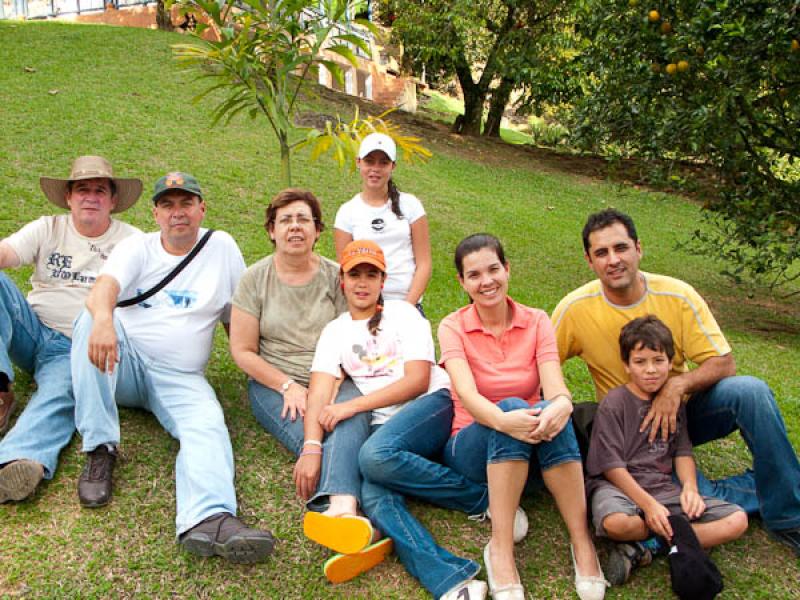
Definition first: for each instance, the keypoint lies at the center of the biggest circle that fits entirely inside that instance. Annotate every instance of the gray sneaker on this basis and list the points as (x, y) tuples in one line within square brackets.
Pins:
[(224, 535), (622, 559), (18, 479)]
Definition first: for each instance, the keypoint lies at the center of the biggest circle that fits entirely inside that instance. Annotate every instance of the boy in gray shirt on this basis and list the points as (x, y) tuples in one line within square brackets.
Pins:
[(630, 484)]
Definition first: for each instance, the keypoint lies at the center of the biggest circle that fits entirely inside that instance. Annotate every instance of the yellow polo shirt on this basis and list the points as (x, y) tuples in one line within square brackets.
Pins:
[(587, 325)]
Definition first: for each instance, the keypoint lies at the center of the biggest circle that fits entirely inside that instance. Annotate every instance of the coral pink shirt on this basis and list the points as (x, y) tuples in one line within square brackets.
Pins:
[(502, 368)]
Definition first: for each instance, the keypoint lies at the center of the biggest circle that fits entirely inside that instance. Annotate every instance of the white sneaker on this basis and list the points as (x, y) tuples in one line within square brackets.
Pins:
[(520, 523), (472, 589)]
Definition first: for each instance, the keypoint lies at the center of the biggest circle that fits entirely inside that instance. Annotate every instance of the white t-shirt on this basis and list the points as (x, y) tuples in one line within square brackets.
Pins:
[(176, 325), (393, 235), (66, 265), (373, 362)]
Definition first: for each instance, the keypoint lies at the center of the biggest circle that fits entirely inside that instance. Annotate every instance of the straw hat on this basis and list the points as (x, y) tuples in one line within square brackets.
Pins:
[(91, 167)]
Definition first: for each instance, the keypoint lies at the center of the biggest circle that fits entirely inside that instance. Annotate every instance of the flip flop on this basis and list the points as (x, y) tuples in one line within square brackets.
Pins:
[(344, 567), (347, 534)]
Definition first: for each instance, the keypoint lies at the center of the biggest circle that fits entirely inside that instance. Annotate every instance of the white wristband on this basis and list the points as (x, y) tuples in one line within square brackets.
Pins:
[(285, 385), (312, 443)]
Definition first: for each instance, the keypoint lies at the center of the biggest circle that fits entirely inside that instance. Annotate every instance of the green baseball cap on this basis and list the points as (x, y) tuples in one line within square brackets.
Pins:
[(176, 181)]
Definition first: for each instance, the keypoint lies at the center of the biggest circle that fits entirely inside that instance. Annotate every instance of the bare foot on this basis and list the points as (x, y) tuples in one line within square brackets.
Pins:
[(341, 506)]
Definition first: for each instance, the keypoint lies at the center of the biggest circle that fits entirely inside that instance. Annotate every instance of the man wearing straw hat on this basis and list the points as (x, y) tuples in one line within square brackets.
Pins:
[(67, 251)]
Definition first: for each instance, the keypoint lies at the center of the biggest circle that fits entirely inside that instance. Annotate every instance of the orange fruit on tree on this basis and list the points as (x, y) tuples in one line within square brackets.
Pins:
[(795, 45), (654, 16), (666, 27), (683, 66), (700, 51), (633, 3), (671, 69)]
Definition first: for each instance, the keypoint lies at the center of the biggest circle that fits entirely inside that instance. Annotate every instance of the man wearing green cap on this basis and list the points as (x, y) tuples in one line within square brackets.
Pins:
[(67, 251), (152, 355)]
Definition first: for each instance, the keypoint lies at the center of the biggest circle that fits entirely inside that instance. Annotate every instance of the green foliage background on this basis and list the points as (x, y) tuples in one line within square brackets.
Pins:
[(715, 82)]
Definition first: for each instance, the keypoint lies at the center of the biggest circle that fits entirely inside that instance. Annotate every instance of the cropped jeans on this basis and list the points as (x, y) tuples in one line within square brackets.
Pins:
[(476, 446), (401, 459), (182, 401), (48, 421), (772, 486)]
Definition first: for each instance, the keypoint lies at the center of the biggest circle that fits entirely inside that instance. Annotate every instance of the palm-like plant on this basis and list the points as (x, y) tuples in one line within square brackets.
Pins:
[(259, 54)]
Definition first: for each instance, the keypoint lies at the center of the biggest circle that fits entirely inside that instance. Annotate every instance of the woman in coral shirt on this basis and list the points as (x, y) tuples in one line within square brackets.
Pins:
[(501, 356)]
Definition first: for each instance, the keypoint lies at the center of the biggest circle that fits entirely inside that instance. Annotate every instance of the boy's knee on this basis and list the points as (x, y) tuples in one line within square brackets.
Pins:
[(624, 527), (737, 522)]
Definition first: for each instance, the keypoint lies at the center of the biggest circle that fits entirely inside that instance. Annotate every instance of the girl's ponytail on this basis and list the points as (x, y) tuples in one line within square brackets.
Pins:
[(394, 198), (374, 322)]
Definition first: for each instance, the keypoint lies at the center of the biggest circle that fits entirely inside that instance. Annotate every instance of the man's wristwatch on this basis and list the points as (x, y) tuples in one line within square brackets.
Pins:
[(285, 385)]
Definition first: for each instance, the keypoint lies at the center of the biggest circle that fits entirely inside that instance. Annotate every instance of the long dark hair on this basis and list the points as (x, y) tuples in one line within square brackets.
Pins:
[(394, 198), (374, 323)]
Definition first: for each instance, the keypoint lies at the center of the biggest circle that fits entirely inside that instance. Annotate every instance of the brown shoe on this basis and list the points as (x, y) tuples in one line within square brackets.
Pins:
[(94, 484), (18, 479), (224, 535), (7, 405)]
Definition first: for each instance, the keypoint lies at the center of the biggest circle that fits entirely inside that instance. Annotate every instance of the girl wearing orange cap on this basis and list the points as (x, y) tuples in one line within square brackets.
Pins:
[(387, 350), (395, 220)]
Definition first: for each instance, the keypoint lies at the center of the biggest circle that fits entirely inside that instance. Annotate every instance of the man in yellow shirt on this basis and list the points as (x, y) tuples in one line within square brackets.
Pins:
[(588, 322)]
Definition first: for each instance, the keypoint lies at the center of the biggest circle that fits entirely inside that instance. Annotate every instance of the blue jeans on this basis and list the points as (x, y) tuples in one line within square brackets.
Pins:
[(476, 446), (182, 401), (772, 487), (398, 460), (340, 474), (48, 421)]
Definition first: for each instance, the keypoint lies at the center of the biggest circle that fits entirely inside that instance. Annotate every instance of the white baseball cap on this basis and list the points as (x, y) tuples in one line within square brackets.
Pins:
[(378, 141)]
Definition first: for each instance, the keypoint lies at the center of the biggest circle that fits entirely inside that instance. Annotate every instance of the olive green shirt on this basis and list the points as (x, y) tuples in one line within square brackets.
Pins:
[(290, 317)]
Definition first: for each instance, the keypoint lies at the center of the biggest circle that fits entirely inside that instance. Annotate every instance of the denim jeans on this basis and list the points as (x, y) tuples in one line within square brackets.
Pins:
[(399, 459), (772, 487), (182, 401), (476, 446), (48, 421), (267, 405), (340, 474)]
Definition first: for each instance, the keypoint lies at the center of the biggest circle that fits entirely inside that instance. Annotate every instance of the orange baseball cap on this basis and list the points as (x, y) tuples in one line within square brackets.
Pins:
[(362, 251)]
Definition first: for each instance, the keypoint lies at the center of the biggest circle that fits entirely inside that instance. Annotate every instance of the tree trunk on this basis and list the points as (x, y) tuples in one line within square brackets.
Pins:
[(474, 99), (163, 17), (286, 165), (497, 106), (473, 112)]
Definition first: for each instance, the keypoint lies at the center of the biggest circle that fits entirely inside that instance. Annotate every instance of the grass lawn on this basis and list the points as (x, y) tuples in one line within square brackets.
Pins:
[(67, 90)]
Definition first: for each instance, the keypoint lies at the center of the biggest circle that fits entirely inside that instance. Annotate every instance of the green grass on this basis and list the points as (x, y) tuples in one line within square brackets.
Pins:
[(120, 95), (440, 107)]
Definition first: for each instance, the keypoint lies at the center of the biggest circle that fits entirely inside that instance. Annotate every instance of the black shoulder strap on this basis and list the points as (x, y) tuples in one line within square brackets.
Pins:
[(170, 276)]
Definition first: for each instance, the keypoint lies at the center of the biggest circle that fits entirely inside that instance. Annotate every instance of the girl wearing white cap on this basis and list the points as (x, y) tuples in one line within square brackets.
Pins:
[(395, 220)]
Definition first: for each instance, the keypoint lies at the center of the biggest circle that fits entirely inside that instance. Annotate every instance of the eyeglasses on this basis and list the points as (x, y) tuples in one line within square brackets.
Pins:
[(300, 219)]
